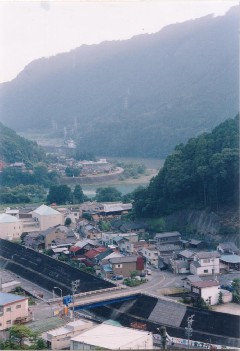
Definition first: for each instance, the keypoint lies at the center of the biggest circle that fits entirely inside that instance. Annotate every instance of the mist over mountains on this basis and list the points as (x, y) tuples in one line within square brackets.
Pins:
[(137, 97)]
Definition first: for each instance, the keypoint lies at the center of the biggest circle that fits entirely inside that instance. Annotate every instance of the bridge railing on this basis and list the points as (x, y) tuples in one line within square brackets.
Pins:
[(89, 293)]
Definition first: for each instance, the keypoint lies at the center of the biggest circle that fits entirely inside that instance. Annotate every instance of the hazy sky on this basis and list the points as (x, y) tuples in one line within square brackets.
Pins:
[(33, 29)]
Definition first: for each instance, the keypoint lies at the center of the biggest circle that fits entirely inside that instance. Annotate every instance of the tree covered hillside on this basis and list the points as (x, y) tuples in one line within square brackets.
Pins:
[(14, 148), (204, 173), (137, 97)]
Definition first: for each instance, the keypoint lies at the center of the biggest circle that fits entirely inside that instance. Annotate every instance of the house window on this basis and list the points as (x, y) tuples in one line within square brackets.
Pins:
[(18, 306), (207, 260), (205, 271), (9, 321), (8, 309), (118, 266)]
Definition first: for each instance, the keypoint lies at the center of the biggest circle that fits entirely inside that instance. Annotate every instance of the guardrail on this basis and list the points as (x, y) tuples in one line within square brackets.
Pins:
[(89, 293)]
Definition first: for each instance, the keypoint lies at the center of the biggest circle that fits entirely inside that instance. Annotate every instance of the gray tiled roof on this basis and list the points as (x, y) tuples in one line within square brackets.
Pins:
[(168, 313), (208, 254), (124, 259), (167, 235)]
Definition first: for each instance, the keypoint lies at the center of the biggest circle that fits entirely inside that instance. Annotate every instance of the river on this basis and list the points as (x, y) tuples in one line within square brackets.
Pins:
[(126, 186)]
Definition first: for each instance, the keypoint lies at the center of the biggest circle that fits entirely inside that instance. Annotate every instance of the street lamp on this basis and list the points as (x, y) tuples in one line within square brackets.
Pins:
[(56, 287)]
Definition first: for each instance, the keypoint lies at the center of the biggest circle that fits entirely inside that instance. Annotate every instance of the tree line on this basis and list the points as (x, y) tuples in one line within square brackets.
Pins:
[(203, 173)]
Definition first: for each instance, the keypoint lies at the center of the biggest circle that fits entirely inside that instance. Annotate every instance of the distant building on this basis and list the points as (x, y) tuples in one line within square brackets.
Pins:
[(228, 248), (229, 263), (11, 227), (151, 254), (13, 309), (208, 290), (168, 238), (109, 337), (47, 217)]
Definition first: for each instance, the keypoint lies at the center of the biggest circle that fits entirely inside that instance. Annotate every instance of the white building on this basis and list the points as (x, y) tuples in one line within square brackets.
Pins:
[(208, 290), (47, 217), (110, 337), (151, 254), (12, 308), (11, 227), (205, 263)]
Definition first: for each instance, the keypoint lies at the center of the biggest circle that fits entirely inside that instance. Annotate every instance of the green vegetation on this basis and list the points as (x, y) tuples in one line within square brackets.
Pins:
[(104, 226), (17, 335), (84, 155), (72, 172), (131, 170), (39, 175), (203, 173), (62, 194), (14, 148), (236, 290), (68, 221), (22, 194), (133, 281), (108, 194)]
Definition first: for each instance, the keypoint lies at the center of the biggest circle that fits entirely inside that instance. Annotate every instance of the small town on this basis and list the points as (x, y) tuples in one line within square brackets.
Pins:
[(119, 175), (58, 264)]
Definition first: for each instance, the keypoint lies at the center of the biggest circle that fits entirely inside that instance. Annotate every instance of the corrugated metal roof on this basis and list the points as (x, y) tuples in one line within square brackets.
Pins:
[(6, 298), (230, 258)]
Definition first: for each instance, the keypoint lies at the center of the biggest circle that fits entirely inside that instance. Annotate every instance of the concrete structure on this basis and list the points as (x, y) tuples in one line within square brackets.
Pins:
[(111, 337), (205, 263), (59, 338), (13, 308), (11, 227), (208, 290), (109, 238), (47, 217)]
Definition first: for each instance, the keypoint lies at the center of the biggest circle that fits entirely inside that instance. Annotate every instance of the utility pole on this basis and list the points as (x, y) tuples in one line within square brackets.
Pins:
[(75, 285), (163, 333), (188, 329)]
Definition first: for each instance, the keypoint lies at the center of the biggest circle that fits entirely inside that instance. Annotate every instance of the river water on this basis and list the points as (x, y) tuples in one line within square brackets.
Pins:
[(124, 188)]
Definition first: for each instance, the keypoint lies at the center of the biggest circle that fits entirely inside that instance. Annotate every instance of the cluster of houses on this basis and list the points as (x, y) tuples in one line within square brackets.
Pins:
[(120, 250)]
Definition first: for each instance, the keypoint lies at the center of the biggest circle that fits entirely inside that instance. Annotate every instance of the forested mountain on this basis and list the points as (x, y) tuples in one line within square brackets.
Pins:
[(14, 148), (137, 97), (202, 174)]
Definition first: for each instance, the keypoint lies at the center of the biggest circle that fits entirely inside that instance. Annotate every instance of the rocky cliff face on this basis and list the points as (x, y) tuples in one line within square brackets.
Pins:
[(220, 225)]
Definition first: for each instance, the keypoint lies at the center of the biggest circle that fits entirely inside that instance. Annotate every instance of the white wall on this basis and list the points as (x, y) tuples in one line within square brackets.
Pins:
[(11, 231), (49, 221), (212, 292)]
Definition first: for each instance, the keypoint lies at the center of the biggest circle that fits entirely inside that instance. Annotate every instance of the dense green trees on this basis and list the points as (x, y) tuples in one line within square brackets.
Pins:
[(108, 194), (62, 194), (72, 172), (14, 148), (22, 194), (202, 173), (39, 175)]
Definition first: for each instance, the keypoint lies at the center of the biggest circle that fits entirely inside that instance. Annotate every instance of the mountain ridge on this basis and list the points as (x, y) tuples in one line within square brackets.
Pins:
[(139, 89)]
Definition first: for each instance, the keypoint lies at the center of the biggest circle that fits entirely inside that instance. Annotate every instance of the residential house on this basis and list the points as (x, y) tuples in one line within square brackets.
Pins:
[(11, 227), (90, 231), (205, 263), (125, 265), (108, 238), (189, 280), (180, 263), (53, 237), (47, 217), (110, 337), (228, 248), (168, 238), (13, 309), (229, 263), (81, 247), (208, 290), (132, 226), (151, 254), (197, 244)]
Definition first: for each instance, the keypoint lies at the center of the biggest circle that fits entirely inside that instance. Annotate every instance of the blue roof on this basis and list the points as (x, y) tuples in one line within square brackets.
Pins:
[(6, 298)]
